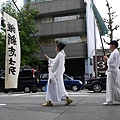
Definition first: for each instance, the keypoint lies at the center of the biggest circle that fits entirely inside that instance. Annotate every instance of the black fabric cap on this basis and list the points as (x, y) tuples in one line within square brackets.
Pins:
[(113, 43), (61, 45)]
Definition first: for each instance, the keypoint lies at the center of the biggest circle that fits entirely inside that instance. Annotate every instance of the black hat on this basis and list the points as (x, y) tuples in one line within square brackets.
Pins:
[(114, 43), (61, 45)]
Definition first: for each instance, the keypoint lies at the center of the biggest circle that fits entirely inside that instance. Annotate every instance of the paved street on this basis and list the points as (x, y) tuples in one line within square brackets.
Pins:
[(86, 106)]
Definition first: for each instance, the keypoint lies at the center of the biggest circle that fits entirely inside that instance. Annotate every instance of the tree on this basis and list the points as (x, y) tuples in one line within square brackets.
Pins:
[(29, 46), (110, 21), (2, 50)]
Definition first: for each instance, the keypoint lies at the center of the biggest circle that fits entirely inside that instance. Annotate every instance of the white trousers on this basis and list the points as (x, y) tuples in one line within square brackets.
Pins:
[(109, 87), (113, 86)]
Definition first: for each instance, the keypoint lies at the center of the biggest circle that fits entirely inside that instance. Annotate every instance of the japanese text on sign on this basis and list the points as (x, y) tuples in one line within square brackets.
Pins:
[(12, 47)]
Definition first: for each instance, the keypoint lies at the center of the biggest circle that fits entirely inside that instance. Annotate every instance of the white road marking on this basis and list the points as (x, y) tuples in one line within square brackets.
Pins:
[(14, 95), (3, 104), (76, 93), (41, 94)]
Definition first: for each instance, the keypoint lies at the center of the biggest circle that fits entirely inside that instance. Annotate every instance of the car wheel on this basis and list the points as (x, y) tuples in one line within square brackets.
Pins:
[(43, 88), (75, 88), (34, 91), (6, 91), (27, 89), (97, 87)]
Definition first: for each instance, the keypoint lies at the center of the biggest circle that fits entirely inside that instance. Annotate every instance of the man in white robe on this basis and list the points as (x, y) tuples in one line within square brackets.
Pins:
[(55, 87), (113, 75)]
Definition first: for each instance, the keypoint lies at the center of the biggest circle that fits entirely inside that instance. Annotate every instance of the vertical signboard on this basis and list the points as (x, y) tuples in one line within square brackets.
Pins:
[(12, 62)]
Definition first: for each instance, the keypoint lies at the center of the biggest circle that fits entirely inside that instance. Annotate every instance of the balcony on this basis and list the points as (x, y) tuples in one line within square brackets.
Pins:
[(57, 6), (62, 28)]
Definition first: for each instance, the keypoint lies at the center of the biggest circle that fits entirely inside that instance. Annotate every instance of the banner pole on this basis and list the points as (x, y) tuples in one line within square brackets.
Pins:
[(102, 45), (29, 28)]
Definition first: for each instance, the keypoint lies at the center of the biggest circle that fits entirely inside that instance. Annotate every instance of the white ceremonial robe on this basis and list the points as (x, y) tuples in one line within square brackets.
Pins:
[(55, 87), (113, 77)]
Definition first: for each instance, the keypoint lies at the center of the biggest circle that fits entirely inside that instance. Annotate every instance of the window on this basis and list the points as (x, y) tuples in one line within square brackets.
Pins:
[(44, 76), (46, 20), (35, 1), (64, 18), (47, 41), (25, 73), (65, 77), (32, 1), (39, 0), (69, 17), (53, 41), (56, 19), (69, 40), (75, 39), (59, 18), (65, 40), (73, 17)]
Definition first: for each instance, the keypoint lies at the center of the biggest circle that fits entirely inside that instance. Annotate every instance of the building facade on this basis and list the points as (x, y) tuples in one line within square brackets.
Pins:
[(66, 21)]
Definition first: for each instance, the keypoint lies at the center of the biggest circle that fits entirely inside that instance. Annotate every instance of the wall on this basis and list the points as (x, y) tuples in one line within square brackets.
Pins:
[(76, 50), (58, 5)]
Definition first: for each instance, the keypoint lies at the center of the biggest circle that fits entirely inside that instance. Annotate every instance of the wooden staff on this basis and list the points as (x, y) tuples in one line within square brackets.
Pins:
[(29, 28), (102, 45)]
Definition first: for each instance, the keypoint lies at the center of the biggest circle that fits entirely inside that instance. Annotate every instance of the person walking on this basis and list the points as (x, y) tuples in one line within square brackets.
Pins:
[(55, 87), (113, 75)]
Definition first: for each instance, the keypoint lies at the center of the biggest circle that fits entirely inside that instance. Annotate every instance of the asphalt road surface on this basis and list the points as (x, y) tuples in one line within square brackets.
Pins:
[(87, 105)]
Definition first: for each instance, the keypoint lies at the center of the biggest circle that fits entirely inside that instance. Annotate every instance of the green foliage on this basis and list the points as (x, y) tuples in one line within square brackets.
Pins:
[(2, 50), (29, 47)]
